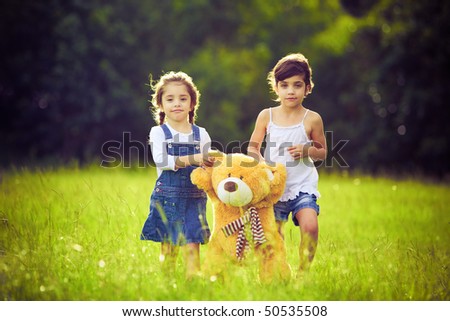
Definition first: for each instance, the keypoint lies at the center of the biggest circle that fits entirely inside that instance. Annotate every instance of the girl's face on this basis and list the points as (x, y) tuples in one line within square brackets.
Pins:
[(292, 91), (176, 102)]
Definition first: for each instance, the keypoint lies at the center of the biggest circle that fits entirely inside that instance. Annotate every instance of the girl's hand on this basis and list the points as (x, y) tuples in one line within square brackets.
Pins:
[(299, 151), (203, 160), (194, 160), (208, 161)]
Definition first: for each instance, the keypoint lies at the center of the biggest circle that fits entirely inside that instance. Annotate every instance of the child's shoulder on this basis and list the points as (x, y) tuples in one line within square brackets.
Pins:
[(265, 113), (157, 130), (201, 129), (313, 115), (313, 119)]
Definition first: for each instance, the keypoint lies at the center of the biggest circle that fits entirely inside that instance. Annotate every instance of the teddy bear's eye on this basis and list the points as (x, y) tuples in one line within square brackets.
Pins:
[(241, 177), (229, 174)]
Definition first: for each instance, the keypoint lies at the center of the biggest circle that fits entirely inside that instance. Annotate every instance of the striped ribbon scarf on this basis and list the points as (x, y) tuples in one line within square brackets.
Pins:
[(242, 244)]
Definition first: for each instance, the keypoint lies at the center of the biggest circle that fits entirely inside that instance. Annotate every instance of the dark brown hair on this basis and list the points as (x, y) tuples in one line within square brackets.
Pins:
[(288, 66)]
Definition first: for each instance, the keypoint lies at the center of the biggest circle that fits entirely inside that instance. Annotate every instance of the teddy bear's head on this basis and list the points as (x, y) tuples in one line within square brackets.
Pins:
[(239, 180)]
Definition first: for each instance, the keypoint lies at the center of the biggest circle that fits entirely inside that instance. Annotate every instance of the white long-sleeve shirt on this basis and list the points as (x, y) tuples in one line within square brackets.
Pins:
[(157, 141)]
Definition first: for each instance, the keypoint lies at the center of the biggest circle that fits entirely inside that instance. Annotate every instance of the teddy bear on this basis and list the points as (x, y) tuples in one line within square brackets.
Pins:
[(243, 192)]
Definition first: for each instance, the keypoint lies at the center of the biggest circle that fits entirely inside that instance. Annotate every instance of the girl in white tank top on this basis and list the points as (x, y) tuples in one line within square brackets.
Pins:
[(294, 137), (302, 175)]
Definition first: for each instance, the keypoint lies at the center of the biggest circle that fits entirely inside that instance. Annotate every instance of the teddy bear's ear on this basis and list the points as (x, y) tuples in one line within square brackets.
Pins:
[(277, 177)]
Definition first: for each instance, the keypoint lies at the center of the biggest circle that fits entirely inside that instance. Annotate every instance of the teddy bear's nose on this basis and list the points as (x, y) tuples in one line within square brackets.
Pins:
[(230, 186)]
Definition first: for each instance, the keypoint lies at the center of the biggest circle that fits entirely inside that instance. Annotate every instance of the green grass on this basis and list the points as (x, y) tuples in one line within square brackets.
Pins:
[(73, 234)]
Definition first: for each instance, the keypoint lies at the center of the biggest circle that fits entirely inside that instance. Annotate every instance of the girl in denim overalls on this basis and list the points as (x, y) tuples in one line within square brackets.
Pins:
[(177, 207)]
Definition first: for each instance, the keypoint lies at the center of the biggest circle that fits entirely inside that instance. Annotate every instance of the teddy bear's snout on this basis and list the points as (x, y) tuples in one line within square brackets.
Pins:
[(233, 191), (230, 187)]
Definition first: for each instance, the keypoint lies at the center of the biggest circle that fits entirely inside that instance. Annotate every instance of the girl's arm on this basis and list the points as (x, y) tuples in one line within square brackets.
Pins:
[(197, 159), (318, 150), (193, 160), (157, 142), (254, 146), (165, 161)]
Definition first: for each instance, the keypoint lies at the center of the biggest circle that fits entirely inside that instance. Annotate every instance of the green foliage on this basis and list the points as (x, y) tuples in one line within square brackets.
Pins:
[(73, 234), (225, 95), (73, 73)]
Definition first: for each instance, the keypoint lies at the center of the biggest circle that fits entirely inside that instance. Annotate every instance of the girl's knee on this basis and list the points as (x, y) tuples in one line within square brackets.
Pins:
[(308, 222), (310, 229)]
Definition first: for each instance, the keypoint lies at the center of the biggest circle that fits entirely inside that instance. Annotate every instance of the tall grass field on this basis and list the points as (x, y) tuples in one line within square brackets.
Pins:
[(73, 234)]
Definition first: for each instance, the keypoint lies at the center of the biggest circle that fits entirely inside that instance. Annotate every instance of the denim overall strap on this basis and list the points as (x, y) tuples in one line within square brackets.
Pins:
[(167, 132), (196, 131)]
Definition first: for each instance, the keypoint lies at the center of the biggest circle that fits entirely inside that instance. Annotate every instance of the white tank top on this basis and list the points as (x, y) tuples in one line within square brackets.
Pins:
[(302, 175)]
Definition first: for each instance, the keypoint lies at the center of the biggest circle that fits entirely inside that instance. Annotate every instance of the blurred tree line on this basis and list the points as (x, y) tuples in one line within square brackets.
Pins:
[(74, 74)]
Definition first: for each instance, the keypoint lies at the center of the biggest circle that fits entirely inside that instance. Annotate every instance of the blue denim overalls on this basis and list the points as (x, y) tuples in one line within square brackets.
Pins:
[(177, 207)]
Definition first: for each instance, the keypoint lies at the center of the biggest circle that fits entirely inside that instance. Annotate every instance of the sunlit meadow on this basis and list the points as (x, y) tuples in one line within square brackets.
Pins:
[(73, 234)]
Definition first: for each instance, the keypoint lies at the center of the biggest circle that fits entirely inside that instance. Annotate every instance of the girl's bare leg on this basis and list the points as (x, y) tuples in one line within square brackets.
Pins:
[(192, 258), (280, 225), (168, 258), (309, 229)]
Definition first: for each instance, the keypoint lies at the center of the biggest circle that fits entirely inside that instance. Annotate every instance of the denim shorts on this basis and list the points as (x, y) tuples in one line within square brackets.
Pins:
[(303, 200)]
